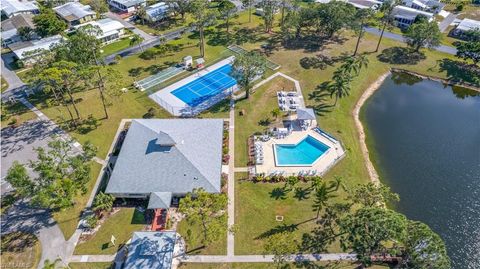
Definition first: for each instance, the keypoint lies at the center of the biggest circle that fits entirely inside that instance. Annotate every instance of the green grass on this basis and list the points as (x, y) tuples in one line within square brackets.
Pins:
[(257, 205), (20, 250), (16, 112), (91, 265), (319, 265), (68, 219), (116, 46), (121, 225), (257, 108), (194, 244), (4, 85)]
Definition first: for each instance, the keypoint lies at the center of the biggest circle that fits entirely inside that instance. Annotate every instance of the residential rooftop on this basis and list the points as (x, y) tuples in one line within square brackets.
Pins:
[(129, 3), (29, 46), (73, 11), (107, 26), (10, 26), (169, 155), (410, 13), (12, 7), (153, 250), (468, 25)]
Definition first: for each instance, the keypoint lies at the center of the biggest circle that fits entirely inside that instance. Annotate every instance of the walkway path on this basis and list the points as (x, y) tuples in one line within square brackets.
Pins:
[(398, 37), (231, 182), (9, 75), (443, 25)]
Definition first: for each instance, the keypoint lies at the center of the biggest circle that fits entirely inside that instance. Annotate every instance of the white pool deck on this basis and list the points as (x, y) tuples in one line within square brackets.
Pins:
[(321, 165), (177, 107)]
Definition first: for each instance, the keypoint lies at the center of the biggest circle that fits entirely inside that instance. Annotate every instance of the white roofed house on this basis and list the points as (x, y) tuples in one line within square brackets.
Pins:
[(162, 160), (432, 6), (363, 4), (465, 26), (11, 8), (157, 12), (26, 50), (75, 13), (126, 6), (108, 30), (406, 16)]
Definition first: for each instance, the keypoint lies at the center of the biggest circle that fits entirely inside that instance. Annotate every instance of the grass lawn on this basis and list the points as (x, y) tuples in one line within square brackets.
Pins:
[(257, 110), (166, 26), (90, 265), (20, 250), (121, 225), (115, 46), (16, 112), (194, 243), (4, 85), (257, 205), (319, 265), (68, 219)]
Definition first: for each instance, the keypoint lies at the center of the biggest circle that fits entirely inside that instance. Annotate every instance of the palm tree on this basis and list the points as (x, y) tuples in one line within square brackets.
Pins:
[(387, 9), (275, 113), (103, 202), (136, 40), (141, 13), (340, 87), (323, 193), (362, 17)]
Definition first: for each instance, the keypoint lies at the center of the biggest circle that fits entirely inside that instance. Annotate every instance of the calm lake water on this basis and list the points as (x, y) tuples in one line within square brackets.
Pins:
[(424, 138)]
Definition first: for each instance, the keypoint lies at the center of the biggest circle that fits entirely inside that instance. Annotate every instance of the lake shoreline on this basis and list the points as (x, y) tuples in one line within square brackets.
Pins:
[(372, 172)]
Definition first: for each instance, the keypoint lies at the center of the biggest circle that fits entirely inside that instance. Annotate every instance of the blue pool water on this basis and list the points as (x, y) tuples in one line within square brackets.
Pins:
[(206, 87), (305, 153)]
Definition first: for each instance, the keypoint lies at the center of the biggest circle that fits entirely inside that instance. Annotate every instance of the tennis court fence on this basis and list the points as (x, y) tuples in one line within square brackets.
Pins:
[(158, 78), (239, 50)]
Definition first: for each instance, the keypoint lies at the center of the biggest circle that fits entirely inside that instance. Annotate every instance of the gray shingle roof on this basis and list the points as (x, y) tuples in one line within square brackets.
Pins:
[(160, 200), (306, 114), (152, 250), (144, 166)]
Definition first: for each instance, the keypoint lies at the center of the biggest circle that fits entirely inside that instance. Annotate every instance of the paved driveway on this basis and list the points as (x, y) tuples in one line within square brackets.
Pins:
[(18, 144)]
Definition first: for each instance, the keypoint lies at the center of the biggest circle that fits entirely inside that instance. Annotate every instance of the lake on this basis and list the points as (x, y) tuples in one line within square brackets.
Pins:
[(424, 140)]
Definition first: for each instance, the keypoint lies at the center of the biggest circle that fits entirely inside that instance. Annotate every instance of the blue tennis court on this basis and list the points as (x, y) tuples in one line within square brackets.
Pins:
[(205, 87)]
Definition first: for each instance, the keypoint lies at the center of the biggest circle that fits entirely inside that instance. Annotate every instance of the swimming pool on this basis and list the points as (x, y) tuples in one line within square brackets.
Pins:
[(206, 87), (304, 153)]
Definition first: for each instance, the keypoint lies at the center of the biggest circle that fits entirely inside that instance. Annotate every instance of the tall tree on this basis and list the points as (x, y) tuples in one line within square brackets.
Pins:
[(248, 4), (371, 230), (386, 17), (47, 23), (182, 7), (60, 174), (470, 49), (333, 16), (423, 34), (79, 47), (370, 195), (361, 20), (203, 17), (424, 248), (18, 177), (227, 10), (208, 210), (282, 246), (283, 6), (136, 40), (323, 194), (246, 68), (26, 33), (141, 13), (270, 7)]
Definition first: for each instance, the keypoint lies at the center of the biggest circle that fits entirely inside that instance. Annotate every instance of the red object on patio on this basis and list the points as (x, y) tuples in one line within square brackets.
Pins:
[(159, 222)]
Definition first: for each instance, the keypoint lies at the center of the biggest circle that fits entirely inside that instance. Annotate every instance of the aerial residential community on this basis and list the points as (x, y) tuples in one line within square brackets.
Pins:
[(240, 134)]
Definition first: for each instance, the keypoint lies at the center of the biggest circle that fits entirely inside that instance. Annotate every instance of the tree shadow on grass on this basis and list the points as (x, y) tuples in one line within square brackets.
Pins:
[(321, 95), (302, 193), (278, 229), (400, 55), (278, 194), (460, 72)]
